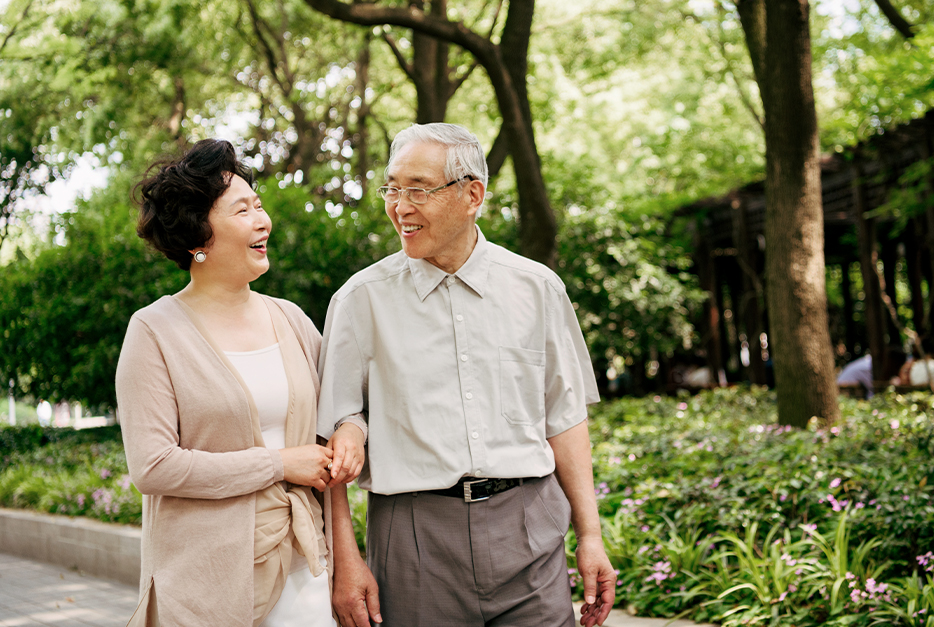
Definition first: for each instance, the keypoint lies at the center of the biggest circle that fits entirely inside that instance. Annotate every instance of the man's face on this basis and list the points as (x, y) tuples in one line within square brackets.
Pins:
[(441, 231)]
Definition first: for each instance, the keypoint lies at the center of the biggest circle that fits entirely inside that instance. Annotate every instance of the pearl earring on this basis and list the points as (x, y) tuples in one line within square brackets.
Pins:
[(200, 256)]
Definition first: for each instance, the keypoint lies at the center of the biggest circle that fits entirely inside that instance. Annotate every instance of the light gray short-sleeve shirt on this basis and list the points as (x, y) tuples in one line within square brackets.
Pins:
[(463, 374)]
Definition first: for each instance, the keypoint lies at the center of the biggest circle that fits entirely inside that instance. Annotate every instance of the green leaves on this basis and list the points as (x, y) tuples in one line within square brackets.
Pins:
[(691, 483)]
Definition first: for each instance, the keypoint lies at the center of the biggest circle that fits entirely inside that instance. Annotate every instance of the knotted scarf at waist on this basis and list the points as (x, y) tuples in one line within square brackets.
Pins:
[(280, 510)]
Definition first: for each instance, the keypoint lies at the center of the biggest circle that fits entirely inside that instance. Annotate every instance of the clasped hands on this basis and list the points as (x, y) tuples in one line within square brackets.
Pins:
[(339, 461)]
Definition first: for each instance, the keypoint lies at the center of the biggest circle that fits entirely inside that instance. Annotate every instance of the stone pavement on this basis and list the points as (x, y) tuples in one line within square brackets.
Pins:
[(36, 594)]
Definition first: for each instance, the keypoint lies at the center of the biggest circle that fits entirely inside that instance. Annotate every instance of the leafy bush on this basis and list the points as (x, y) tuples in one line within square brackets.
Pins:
[(686, 486), (62, 471)]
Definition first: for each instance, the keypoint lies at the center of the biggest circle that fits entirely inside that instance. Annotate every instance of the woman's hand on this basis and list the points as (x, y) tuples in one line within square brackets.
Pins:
[(349, 453), (307, 465)]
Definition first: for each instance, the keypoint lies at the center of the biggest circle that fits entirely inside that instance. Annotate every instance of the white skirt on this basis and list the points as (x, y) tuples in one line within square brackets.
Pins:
[(305, 602)]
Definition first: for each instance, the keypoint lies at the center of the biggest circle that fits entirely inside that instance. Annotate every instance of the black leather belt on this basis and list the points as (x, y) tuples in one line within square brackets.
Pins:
[(472, 489)]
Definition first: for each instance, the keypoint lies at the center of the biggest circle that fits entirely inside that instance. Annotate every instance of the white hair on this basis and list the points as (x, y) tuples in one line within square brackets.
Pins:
[(464, 153)]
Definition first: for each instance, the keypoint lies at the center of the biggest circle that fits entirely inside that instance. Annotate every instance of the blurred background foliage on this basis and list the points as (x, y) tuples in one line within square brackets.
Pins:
[(638, 108)]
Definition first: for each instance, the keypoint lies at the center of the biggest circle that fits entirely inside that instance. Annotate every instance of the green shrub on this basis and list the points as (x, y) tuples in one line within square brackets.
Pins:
[(685, 486), (62, 471)]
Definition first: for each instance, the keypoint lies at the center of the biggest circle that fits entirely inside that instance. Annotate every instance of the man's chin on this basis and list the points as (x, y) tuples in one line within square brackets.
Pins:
[(411, 252)]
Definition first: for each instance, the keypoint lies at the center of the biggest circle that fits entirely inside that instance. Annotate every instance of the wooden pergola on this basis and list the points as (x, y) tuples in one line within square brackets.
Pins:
[(730, 245)]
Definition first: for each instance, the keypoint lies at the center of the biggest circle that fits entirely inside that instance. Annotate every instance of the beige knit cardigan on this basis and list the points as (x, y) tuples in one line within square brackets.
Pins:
[(189, 429)]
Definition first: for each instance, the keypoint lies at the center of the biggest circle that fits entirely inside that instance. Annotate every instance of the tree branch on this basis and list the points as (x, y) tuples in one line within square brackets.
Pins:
[(400, 58), (408, 17), (498, 153), (14, 27), (268, 50), (460, 80), (895, 18), (731, 72)]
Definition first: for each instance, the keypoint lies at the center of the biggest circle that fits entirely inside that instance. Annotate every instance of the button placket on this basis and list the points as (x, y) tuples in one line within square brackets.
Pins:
[(467, 381)]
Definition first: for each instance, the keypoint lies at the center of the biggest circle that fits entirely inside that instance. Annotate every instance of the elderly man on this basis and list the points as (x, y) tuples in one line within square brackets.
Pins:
[(468, 364)]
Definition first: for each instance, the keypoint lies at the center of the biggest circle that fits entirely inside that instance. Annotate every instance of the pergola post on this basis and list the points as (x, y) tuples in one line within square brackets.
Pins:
[(849, 327), (913, 269), (875, 324), (710, 324), (748, 300)]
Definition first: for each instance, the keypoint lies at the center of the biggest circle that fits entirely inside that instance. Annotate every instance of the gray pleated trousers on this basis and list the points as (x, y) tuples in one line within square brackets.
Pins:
[(441, 562)]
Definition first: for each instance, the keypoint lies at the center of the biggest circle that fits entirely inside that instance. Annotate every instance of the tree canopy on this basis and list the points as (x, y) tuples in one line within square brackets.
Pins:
[(633, 109)]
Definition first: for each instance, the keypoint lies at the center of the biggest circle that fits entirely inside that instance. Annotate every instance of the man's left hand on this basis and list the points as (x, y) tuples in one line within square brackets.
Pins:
[(349, 453), (599, 581)]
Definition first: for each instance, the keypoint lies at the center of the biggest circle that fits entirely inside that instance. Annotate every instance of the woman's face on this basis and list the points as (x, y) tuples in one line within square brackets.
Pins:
[(237, 252)]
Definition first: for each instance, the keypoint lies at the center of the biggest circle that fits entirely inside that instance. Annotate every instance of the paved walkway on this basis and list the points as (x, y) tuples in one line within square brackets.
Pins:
[(35, 594)]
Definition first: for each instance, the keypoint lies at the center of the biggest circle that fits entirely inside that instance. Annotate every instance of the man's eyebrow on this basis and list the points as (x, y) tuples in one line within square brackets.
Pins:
[(415, 179)]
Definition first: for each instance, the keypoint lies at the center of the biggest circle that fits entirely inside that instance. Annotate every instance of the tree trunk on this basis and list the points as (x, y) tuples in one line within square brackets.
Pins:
[(361, 139), (430, 71), (794, 226)]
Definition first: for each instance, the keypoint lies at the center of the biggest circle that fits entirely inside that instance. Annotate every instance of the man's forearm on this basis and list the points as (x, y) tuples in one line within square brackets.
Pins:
[(345, 543), (574, 470)]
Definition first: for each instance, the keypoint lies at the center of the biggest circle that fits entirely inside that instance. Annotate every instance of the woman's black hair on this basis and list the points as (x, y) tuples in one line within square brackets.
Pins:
[(176, 196)]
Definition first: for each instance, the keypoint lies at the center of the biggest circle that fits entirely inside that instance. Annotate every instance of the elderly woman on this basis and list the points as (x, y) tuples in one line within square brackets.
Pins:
[(217, 389)]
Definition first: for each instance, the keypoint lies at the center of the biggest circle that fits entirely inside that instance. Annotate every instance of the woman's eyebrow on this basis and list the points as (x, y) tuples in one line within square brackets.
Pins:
[(243, 199)]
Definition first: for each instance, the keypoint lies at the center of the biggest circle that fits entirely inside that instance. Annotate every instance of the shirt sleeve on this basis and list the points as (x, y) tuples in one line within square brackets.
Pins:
[(149, 420), (570, 384), (343, 373)]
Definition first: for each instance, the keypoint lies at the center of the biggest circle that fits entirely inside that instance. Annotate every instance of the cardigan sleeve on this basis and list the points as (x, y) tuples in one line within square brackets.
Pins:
[(149, 420)]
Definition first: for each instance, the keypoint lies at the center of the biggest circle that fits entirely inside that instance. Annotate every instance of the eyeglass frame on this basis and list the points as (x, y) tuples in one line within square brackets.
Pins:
[(407, 191)]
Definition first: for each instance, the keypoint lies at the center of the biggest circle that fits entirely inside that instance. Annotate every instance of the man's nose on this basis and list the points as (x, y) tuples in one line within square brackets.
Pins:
[(405, 206)]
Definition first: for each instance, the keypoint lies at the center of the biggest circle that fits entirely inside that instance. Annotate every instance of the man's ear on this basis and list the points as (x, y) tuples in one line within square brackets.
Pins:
[(476, 193)]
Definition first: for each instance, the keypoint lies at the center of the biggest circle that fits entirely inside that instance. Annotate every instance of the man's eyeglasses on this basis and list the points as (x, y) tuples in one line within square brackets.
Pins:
[(417, 195)]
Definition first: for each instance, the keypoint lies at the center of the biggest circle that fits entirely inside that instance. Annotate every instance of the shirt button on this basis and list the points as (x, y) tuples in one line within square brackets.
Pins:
[(450, 280), (463, 357), (475, 435), (469, 395), (460, 318), (478, 472)]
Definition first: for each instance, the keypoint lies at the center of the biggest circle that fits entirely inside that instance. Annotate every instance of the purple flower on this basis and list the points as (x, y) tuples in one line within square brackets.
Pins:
[(105, 473), (80, 500), (662, 571), (835, 483)]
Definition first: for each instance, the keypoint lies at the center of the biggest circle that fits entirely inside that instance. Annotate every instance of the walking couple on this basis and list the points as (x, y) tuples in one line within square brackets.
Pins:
[(451, 381)]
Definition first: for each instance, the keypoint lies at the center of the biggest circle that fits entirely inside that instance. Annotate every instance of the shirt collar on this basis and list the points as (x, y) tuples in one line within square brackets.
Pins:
[(473, 273)]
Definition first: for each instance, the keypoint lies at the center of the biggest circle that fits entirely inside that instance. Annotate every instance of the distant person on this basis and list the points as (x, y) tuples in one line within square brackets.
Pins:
[(44, 412), (858, 373), (217, 390)]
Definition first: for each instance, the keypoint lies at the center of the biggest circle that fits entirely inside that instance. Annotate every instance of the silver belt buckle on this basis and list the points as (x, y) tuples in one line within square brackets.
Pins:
[(468, 498)]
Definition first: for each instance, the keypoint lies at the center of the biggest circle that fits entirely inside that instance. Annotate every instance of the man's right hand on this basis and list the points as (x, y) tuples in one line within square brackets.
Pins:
[(356, 595)]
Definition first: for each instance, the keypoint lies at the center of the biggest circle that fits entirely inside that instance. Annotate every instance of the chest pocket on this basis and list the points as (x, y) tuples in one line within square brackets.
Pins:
[(522, 385)]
